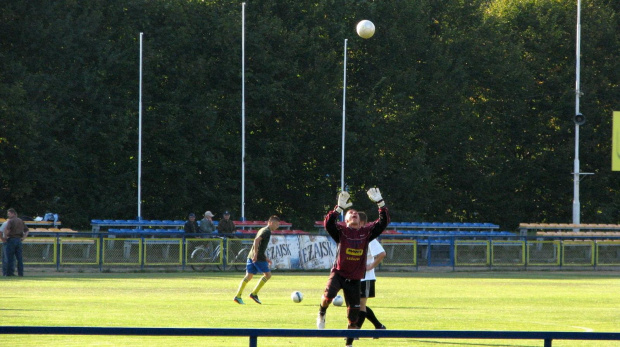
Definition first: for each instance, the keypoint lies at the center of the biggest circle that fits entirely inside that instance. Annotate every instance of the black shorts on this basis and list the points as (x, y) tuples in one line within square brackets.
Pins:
[(350, 289), (368, 289)]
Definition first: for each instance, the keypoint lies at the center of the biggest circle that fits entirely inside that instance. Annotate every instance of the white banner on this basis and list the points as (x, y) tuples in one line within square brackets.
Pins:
[(297, 252)]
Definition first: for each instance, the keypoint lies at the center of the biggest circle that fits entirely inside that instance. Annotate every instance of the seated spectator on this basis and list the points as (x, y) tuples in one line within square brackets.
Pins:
[(191, 226), (206, 224), (226, 225)]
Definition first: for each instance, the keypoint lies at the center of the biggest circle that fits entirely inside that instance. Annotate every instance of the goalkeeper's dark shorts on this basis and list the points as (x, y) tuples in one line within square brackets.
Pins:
[(350, 289)]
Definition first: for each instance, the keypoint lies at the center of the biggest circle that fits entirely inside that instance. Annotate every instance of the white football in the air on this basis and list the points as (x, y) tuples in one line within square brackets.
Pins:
[(365, 29)]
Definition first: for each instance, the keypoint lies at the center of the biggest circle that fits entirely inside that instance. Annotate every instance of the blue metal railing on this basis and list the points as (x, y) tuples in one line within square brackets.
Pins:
[(254, 334)]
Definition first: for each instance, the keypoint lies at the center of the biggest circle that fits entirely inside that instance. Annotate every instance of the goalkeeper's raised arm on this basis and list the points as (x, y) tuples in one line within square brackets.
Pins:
[(384, 216), (331, 219)]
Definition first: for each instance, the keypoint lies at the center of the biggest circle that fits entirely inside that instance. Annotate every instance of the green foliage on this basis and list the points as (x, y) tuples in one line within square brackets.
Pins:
[(457, 110)]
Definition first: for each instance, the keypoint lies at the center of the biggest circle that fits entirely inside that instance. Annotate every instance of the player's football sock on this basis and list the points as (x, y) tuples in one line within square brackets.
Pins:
[(259, 285), (350, 339), (353, 314), (361, 319), (382, 327), (370, 315), (242, 285), (322, 310)]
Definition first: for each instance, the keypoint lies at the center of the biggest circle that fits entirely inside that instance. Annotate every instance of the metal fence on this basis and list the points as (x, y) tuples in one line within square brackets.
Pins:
[(403, 252), (511, 252), (546, 336)]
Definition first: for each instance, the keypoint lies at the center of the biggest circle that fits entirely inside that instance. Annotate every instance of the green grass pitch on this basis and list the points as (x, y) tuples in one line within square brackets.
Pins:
[(498, 301)]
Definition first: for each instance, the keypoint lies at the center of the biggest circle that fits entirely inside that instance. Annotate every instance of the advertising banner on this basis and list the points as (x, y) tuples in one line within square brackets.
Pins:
[(301, 252)]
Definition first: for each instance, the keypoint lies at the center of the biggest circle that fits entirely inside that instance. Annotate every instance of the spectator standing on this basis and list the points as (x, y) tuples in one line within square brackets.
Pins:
[(258, 261), (191, 226), (226, 225), (206, 224), (5, 259), (15, 231), (350, 265)]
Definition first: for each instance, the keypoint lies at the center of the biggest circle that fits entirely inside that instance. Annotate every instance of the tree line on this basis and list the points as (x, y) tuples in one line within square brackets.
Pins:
[(456, 110)]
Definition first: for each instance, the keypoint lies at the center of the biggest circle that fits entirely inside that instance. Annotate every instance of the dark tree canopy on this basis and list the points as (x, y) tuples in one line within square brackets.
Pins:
[(456, 110)]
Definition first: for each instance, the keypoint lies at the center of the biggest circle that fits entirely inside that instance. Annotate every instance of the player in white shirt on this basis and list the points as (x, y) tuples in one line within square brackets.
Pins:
[(374, 256), (376, 253)]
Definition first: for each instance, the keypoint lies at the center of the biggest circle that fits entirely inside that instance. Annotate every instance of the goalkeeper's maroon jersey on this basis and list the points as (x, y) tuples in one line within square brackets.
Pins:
[(352, 243)]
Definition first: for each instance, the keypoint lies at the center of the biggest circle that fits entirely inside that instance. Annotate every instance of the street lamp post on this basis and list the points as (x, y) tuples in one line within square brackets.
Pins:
[(140, 134), (576, 174), (579, 120), (243, 111), (344, 100)]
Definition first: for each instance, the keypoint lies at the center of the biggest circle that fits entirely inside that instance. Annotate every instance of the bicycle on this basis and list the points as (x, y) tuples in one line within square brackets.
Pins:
[(240, 260), (205, 255)]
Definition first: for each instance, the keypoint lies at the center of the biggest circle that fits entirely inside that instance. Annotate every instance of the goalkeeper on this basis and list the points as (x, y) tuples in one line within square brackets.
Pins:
[(350, 264)]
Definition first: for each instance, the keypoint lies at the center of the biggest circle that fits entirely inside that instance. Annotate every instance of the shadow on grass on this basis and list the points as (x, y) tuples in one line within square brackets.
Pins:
[(496, 274), (448, 343), (440, 274)]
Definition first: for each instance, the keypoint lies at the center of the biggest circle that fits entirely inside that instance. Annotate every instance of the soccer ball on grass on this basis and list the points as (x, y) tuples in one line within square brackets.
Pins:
[(297, 296), (338, 300)]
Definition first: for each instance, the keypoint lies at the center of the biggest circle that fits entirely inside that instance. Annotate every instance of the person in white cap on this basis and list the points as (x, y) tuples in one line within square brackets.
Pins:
[(206, 224)]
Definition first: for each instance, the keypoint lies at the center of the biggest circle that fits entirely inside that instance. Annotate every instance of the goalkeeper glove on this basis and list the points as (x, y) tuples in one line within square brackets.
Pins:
[(343, 202), (375, 195)]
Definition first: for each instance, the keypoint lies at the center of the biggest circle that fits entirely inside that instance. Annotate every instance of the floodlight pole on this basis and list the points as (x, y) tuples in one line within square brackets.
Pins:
[(243, 111), (140, 135), (344, 100), (576, 173)]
